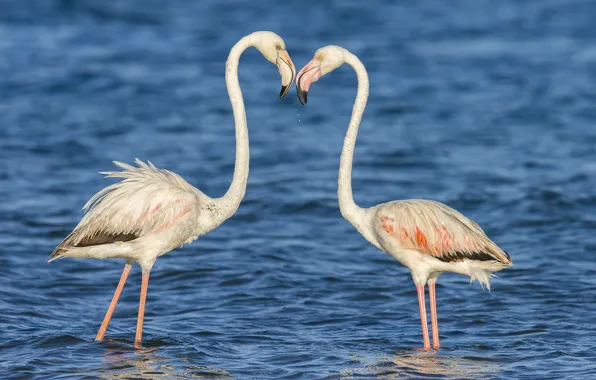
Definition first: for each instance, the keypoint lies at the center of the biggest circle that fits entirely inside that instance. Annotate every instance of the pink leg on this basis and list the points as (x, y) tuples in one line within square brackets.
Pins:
[(422, 304), (141, 316), (106, 320), (433, 314)]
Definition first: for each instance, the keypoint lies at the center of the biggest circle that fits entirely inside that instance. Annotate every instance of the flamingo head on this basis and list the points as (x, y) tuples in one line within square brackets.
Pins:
[(273, 49), (326, 60)]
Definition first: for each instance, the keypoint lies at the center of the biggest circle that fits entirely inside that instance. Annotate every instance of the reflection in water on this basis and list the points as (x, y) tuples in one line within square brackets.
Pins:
[(123, 362), (419, 364)]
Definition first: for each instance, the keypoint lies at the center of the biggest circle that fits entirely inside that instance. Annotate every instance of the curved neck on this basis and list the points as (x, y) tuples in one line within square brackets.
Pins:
[(349, 209), (232, 198)]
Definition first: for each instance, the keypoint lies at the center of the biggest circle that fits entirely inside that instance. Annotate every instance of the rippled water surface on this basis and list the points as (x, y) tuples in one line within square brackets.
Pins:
[(486, 106)]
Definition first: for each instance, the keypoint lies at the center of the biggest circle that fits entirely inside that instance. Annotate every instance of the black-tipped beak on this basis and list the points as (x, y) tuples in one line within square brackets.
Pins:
[(302, 95), (309, 74), (284, 90), (289, 65)]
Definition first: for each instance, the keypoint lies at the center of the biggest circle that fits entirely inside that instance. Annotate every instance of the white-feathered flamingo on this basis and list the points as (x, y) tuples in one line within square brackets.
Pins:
[(152, 211), (426, 236)]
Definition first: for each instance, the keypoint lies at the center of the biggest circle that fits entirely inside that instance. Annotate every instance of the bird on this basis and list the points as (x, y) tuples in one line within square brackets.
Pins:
[(152, 211), (426, 236)]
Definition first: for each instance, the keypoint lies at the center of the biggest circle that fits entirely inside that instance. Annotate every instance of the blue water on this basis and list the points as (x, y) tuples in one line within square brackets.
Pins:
[(486, 106)]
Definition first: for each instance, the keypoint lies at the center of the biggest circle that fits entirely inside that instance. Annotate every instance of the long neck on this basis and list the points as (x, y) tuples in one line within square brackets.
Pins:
[(349, 209), (231, 200)]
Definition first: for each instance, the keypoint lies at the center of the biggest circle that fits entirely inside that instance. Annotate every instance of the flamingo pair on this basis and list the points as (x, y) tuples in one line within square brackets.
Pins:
[(152, 211)]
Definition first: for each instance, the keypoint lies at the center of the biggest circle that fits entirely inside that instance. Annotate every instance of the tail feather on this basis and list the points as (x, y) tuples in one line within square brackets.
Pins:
[(57, 254), (103, 251), (484, 273), (63, 247)]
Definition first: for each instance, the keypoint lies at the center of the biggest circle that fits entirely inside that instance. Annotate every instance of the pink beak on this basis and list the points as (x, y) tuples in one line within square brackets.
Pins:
[(309, 74)]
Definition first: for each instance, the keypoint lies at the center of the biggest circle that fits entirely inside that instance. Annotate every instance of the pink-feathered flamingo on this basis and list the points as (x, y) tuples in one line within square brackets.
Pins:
[(152, 211), (426, 236)]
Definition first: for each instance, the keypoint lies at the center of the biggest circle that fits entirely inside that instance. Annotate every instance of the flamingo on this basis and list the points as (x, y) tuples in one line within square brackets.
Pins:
[(152, 211), (426, 236)]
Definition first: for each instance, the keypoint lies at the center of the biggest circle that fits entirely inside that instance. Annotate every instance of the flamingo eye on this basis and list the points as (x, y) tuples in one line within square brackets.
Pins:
[(278, 47)]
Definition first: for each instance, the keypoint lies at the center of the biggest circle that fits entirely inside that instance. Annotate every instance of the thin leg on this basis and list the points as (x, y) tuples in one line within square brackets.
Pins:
[(106, 320), (422, 304), (144, 285), (433, 314)]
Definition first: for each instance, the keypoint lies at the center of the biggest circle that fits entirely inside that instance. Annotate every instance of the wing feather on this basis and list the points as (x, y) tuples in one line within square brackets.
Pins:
[(146, 199), (435, 229)]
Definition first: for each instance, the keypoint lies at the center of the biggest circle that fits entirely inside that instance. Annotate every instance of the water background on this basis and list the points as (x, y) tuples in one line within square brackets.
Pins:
[(485, 106)]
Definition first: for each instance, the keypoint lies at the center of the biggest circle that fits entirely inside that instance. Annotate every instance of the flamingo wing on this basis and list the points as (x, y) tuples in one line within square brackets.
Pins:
[(435, 229), (146, 200)]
